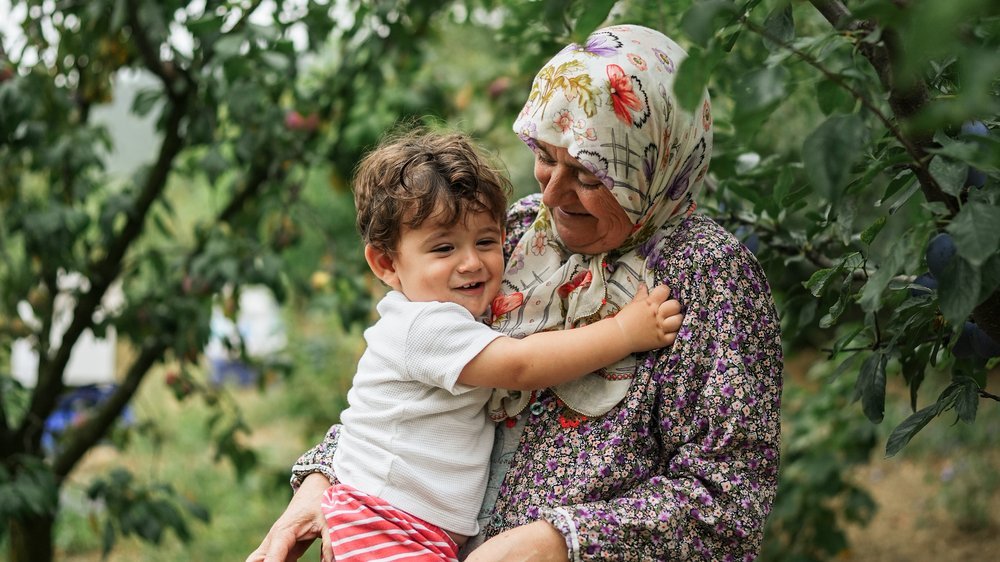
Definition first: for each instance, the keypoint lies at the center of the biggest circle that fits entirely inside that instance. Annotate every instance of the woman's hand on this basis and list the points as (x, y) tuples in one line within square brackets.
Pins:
[(534, 542), (301, 523)]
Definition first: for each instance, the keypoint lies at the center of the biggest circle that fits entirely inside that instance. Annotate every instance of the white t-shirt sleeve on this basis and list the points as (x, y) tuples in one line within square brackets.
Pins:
[(441, 342)]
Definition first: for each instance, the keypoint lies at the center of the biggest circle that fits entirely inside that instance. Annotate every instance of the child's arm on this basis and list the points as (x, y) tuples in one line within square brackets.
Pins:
[(550, 358)]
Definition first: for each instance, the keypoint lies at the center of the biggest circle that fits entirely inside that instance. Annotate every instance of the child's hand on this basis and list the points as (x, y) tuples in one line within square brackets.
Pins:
[(650, 320)]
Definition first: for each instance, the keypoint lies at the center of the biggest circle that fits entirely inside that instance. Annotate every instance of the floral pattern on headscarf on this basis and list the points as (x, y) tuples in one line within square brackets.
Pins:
[(610, 103)]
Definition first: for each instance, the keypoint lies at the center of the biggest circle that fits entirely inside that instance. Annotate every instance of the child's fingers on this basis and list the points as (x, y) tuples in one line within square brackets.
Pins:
[(641, 292), (659, 294), (672, 323), (668, 308)]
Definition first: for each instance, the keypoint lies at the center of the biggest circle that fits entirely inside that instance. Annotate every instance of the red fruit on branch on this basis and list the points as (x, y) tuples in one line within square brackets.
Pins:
[(295, 121)]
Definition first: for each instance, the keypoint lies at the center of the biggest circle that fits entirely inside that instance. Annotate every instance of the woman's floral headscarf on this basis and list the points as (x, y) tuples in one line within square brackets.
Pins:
[(610, 103)]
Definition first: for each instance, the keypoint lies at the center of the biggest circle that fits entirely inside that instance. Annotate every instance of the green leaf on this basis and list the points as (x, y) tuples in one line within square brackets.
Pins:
[(108, 538), (958, 290), (831, 151), (229, 45), (276, 61), (832, 98), (902, 188), (780, 24), (692, 76), (949, 174), (871, 293), (872, 231), (592, 16), (976, 229), (702, 20), (990, 274), (838, 307), (909, 427), (554, 16), (757, 94), (818, 280), (145, 100), (967, 400), (914, 367), (870, 387)]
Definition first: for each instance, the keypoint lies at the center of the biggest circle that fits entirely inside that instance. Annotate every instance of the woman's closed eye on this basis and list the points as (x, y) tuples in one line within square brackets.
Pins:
[(588, 181)]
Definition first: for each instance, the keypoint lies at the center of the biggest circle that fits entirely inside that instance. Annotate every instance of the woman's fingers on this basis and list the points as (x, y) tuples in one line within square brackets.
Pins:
[(326, 549), (297, 528)]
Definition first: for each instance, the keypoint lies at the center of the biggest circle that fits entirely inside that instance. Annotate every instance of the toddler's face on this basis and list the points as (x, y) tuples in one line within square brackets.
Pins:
[(460, 262)]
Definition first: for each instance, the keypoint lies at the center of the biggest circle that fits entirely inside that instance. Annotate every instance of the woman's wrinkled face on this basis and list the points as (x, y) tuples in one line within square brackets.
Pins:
[(587, 217)]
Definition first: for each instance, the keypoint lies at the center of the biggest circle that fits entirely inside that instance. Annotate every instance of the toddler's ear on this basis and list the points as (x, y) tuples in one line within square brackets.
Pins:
[(382, 266)]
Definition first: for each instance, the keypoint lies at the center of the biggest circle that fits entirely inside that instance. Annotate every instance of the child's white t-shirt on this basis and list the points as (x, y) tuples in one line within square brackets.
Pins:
[(412, 435)]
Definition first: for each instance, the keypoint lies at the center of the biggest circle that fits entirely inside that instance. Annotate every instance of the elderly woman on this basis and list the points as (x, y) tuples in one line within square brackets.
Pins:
[(667, 455)]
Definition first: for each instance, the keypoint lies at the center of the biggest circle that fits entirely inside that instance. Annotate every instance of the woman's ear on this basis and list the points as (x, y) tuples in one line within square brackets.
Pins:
[(382, 266)]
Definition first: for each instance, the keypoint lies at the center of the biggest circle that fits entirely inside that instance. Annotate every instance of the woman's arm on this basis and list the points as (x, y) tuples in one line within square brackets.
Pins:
[(302, 521), (297, 528), (537, 542)]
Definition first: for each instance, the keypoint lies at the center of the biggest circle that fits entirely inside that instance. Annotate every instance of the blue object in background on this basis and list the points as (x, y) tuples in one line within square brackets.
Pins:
[(73, 406), (232, 370)]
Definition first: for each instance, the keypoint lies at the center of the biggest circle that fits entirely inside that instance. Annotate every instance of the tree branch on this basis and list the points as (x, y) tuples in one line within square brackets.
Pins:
[(81, 438), (87, 435), (167, 73), (908, 94), (4, 428), (50, 384)]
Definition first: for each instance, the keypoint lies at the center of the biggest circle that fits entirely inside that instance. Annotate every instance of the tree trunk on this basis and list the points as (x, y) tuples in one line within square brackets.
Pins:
[(31, 539)]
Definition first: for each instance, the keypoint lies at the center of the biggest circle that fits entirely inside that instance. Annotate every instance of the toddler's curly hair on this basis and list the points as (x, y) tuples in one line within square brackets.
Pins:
[(418, 174)]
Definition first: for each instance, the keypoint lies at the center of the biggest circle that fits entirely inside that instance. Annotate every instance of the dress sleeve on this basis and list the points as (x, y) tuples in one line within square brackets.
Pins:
[(520, 216), (318, 459), (715, 420)]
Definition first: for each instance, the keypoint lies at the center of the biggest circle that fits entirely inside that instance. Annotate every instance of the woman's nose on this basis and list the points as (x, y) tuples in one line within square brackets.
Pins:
[(559, 187)]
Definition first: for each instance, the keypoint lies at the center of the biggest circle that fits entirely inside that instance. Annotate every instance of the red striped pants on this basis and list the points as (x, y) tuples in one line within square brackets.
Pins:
[(367, 528)]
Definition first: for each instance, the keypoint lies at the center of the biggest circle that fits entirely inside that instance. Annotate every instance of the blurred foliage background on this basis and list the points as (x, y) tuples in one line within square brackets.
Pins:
[(161, 161)]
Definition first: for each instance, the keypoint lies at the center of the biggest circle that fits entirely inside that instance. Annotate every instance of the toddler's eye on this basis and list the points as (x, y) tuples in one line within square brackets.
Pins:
[(442, 249), (487, 242)]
